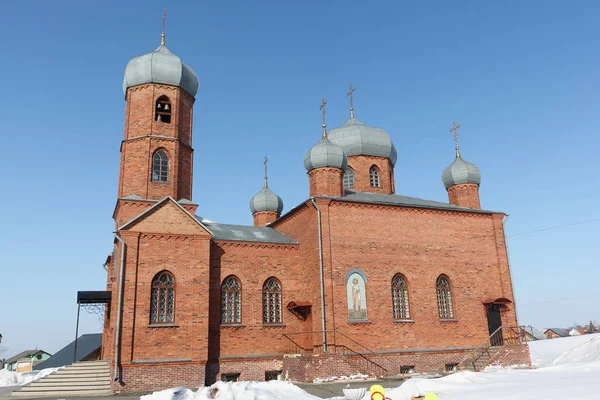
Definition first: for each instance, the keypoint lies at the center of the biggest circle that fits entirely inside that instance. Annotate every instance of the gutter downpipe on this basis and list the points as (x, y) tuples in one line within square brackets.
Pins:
[(512, 284), (119, 306), (321, 275)]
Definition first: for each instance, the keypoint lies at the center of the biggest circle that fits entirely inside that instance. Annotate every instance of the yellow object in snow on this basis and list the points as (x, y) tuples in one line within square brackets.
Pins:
[(377, 392), (430, 396)]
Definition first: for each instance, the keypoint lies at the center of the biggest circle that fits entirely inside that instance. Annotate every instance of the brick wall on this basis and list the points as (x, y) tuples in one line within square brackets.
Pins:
[(362, 167), (326, 182), (465, 195), (150, 377)]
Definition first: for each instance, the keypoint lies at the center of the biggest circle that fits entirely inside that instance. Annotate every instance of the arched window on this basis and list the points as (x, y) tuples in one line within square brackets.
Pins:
[(400, 297), (374, 175), (272, 301), (160, 167), (162, 304), (444, 298), (231, 301), (163, 110), (349, 178)]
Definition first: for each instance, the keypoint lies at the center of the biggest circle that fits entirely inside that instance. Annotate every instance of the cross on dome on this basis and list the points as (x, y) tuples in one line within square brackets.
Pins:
[(322, 108), (349, 94), (454, 130)]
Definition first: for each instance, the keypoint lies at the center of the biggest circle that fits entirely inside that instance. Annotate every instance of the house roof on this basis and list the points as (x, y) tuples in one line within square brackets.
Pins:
[(23, 354), (559, 331), (534, 332), (86, 345), (245, 233), (400, 200)]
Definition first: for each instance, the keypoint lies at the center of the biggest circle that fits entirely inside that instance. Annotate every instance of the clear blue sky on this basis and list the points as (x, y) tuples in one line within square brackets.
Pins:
[(521, 77)]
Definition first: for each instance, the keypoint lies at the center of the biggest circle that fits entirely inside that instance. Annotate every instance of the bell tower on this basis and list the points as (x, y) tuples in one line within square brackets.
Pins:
[(156, 151)]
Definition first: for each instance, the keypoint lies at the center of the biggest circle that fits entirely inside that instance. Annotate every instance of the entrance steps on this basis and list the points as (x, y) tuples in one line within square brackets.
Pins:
[(87, 378)]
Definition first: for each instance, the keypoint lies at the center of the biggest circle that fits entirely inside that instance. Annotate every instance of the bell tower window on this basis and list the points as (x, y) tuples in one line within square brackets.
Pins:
[(349, 178), (160, 167), (374, 177), (163, 110)]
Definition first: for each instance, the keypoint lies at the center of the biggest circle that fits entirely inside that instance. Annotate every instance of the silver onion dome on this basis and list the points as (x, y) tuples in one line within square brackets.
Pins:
[(266, 200), (160, 66), (356, 138), (325, 154), (461, 172)]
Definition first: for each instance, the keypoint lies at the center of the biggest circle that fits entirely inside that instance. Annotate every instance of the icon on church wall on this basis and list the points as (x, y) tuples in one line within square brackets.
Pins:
[(357, 302)]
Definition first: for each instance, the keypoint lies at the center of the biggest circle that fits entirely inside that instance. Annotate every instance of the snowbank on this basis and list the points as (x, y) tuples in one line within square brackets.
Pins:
[(272, 390), (585, 352), (574, 381), (544, 352), (10, 378), (559, 382)]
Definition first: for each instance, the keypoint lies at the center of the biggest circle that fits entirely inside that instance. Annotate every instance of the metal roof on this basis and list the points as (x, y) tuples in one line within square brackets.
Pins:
[(400, 200), (160, 66), (459, 172), (266, 200), (356, 138), (325, 154), (86, 345), (243, 233)]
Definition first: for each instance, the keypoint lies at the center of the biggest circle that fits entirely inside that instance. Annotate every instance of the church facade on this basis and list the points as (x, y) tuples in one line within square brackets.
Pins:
[(356, 279)]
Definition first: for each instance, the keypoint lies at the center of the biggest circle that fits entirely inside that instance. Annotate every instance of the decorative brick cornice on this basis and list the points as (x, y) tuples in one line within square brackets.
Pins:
[(259, 245), (172, 236), (415, 209), (157, 86), (157, 138)]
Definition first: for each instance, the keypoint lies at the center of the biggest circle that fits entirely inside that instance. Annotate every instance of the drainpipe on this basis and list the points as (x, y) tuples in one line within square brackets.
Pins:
[(512, 284), (119, 306), (321, 275)]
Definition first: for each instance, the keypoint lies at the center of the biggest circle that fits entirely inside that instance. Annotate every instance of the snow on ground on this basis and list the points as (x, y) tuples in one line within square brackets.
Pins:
[(574, 375), (10, 378), (544, 352), (559, 382), (585, 352)]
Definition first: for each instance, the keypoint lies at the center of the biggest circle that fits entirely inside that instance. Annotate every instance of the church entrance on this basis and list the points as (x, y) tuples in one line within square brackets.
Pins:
[(494, 324)]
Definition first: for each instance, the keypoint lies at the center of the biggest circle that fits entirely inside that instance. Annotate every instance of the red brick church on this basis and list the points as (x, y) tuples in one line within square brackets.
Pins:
[(356, 278)]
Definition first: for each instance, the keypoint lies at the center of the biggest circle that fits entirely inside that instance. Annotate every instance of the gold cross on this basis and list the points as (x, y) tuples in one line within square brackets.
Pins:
[(265, 163), (162, 36), (352, 89), (454, 130)]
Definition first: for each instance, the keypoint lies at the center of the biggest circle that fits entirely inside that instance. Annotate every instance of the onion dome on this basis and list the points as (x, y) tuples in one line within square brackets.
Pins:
[(160, 66), (325, 154), (266, 200), (356, 138), (461, 172)]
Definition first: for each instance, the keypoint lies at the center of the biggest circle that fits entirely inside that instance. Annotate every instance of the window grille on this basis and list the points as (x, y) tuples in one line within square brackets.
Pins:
[(162, 305), (272, 301), (349, 178), (272, 375), (232, 377), (407, 369), (374, 175), (160, 167), (163, 110), (451, 367), (444, 298), (400, 297), (231, 301)]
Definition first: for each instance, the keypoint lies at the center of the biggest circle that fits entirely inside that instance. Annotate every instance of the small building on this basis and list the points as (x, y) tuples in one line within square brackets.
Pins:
[(532, 334), (35, 356), (553, 333)]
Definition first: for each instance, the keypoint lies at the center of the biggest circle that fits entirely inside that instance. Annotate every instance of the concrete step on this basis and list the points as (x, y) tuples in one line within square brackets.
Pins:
[(70, 374), (38, 385), (58, 379), (64, 393)]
